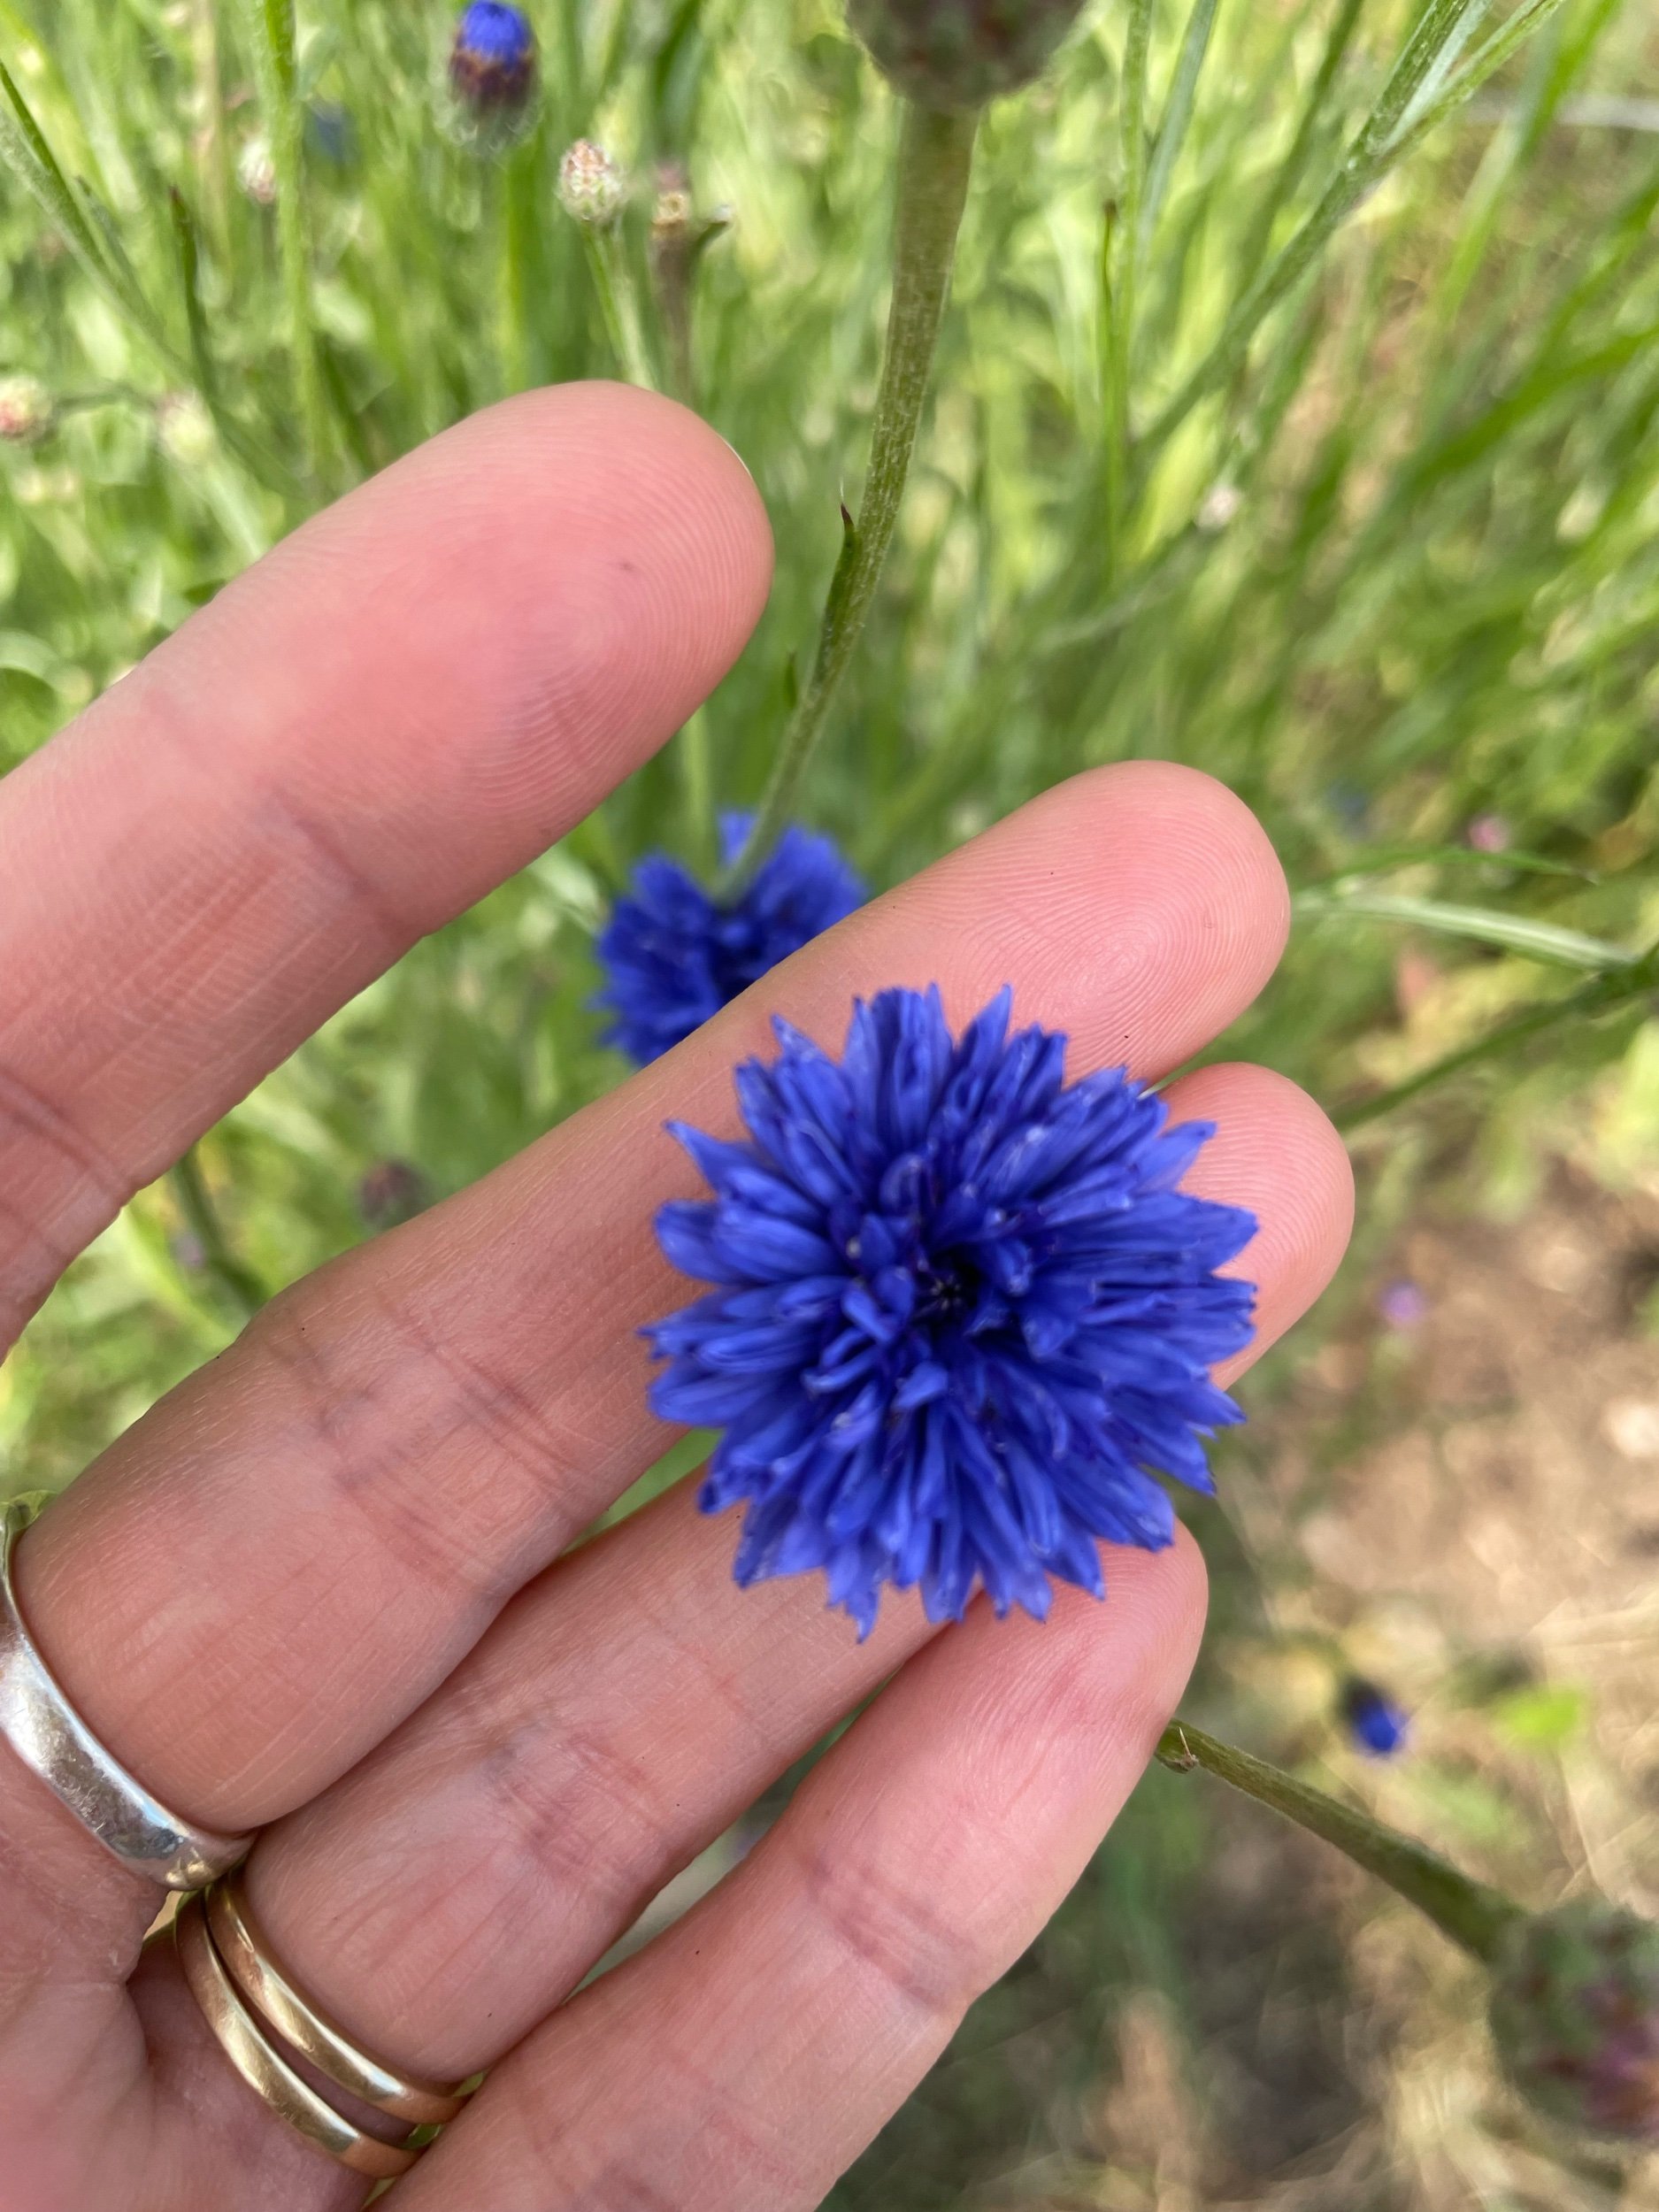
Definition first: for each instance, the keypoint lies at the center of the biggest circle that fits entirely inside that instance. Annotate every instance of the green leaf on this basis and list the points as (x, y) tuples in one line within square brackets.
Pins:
[(1543, 1716)]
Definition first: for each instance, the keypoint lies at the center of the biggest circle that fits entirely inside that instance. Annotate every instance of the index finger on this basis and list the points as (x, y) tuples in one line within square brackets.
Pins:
[(410, 698)]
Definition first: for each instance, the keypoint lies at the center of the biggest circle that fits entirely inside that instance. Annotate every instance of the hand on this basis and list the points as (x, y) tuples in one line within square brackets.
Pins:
[(318, 1591)]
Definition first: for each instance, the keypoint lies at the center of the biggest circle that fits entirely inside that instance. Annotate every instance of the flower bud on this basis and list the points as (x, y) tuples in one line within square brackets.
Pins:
[(961, 53), (184, 429), (392, 1192), (592, 187), (256, 172), (492, 66), (26, 413), (1574, 2015)]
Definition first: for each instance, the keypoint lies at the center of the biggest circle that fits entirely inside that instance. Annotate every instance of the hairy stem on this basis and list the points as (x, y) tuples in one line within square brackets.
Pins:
[(618, 304), (1468, 1911), (239, 1284), (934, 160)]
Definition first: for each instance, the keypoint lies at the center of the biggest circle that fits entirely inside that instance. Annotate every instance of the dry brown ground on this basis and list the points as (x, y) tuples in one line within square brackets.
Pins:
[(1469, 1511)]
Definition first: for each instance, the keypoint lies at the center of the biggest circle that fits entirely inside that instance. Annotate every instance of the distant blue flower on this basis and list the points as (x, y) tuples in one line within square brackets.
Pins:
[(1374, 1721), (492, 62), (961, 1312), (673, 954)]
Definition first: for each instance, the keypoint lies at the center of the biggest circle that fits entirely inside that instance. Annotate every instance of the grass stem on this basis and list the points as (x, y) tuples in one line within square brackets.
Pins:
[(1470, 1913), (935, 160)]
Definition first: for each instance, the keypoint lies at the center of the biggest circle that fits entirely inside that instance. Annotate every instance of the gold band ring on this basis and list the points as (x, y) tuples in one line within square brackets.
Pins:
[(49, 1737), (241, 1945), (263, 2069)]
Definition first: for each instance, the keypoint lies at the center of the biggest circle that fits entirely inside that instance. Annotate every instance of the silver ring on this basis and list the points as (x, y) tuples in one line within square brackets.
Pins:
[(48, 1734)]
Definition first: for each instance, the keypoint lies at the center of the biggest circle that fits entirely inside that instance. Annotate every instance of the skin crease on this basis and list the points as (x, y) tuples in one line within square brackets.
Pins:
[(319, 1587)]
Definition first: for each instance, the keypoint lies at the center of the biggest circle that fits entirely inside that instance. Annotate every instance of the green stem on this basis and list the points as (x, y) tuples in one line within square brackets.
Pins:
[(1123, 249), (241, 1285), (618, 304), (1468, 1911), (1613, 989), (936, 157), (270, 26), (517, 227), (696, 768)]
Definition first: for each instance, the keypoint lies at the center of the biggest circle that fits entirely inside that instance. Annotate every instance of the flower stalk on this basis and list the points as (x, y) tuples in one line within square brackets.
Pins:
[(935, 158), (239, 1283), (1474, 1916)]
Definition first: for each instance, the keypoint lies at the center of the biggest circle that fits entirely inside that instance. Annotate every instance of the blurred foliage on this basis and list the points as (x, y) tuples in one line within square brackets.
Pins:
[(1396, 580)]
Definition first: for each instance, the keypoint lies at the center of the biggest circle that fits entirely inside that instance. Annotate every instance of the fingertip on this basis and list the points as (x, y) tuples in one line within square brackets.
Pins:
[(1163, 912), (1275, 1151)]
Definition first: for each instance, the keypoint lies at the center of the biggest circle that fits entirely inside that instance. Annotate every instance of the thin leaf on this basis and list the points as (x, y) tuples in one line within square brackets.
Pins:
[(1177, 117), (1386, 858), (1513, 933), (1605, 993)]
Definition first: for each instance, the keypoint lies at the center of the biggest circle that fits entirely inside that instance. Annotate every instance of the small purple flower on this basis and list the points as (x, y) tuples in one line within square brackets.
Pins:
[(1488, 834), (1402, 1305), (674, 954), (961, 1312), (1574, 2015), (492, 62), (1376, 1724)]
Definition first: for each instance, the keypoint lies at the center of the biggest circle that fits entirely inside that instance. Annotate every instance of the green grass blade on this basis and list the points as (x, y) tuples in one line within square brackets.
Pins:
[(1176, 121), (268, 26), (1511, 933), (26, 151)]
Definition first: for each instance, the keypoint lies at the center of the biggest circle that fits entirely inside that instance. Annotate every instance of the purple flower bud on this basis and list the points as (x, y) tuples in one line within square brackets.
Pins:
[(390, 1193), (961, 53), (1574, 2015), (1488, 834), (492, 62)]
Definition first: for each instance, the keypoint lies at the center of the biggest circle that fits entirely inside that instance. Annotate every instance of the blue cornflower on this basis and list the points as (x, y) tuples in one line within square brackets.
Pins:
[(492, 62), (1374, 1721), (961, 1312), (674, 954)]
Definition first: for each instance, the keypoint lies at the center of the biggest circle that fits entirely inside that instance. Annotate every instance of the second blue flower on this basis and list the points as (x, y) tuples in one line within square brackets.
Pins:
[(674, 953)]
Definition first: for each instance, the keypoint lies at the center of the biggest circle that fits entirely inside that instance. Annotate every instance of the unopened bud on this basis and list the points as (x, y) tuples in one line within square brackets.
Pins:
[(393, 1191), (671, 219), (961, 53), (256, 172), (184, 429), (25, 409), (592, 187), (491, 62)]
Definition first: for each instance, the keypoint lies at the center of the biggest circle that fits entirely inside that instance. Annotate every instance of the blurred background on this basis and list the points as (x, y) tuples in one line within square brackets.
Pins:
[(1394, 577)]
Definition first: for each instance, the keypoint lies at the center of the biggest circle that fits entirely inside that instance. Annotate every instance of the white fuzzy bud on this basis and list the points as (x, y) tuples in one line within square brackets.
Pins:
[(256, 172), (25, 409), (592, 187)]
